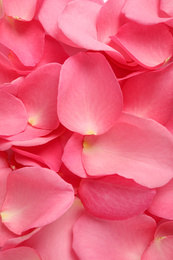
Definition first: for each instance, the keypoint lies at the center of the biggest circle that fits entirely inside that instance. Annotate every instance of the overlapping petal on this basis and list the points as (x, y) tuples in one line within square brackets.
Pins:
[(135, 148), (39, 93), (100, 239), (35, 197), (13, 115), (24, 10), (149, 45), (114, 197)]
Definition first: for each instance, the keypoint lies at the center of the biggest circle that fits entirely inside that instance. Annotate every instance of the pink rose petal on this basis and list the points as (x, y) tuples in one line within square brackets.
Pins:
[(31, 196), (39, 98), (114, 197), (93, 99), (54, 241), (135, 148), (13, 115), (149, 46), (19, 36), (162, 203), (24, 10), (150, 94), (19, 253), (123, 240)]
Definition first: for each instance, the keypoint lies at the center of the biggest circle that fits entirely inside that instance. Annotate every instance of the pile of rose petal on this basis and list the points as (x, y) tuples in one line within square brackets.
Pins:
[(86, 130)]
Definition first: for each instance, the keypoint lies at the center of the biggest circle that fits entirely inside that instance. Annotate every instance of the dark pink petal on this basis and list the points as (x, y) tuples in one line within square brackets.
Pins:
[(39, 93), (35, 197), (7, 70), (4, 173), (135, 148), (162, 246), (114, 197), (4, 144), (24, 10), (123, 240), (48, 154), (150, 94), (3, 160), (19, 36), (54, 241), (90, 77), (150, 46), (19, 253), (162, 203), (144, 11), (13, 115), (72, 155), (53, 52)]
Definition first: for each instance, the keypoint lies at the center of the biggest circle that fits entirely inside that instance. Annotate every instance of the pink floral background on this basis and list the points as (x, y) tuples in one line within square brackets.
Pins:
[(86, 130)]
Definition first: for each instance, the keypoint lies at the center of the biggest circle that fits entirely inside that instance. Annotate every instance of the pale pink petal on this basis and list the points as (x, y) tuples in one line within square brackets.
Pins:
[(19, 253), (149, 46), (35, 197), (13, 115), (135, 148), (54, 241), (166, 6), (162, 246), (114, 197), (92, 95), (122, 240), (78, 23), (144, 11), (39, 98), (49, 14), (19, 36), (72, 155), (48, 154), (150, 94), (18, 9), (162, 203), (108, 20)]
